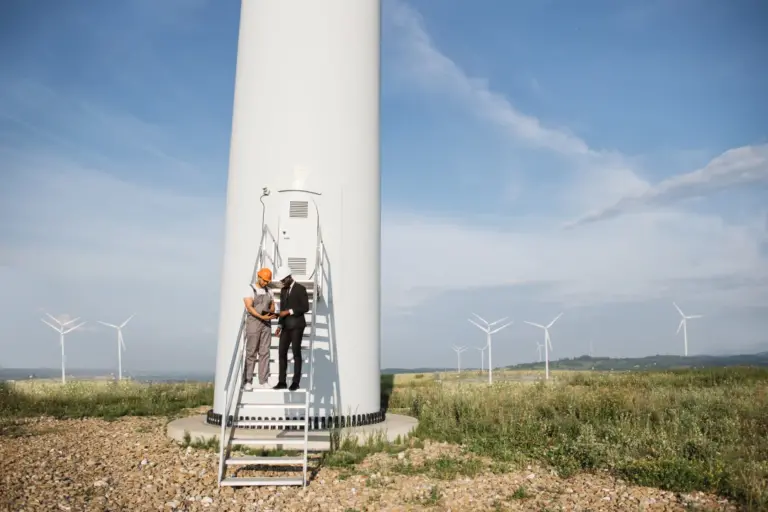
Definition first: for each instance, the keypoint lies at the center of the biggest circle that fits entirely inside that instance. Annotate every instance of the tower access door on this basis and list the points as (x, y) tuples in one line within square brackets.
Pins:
[(298, 234)]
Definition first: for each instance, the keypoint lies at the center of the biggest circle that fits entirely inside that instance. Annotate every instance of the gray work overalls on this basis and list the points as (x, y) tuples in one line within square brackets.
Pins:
[(258, 336)]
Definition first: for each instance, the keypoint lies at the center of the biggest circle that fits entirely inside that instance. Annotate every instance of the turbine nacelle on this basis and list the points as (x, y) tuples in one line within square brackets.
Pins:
[(685, 317), (119, 329), (61, 330), (487, 329)]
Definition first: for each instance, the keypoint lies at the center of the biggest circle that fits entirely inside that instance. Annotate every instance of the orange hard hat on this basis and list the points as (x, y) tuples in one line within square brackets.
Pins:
[(265, 274)]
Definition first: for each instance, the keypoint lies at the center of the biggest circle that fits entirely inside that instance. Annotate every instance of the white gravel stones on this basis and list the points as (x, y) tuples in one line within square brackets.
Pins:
[(130, 464)]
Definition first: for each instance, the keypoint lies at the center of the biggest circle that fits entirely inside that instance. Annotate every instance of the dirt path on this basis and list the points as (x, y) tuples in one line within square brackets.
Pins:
[(130, 465)]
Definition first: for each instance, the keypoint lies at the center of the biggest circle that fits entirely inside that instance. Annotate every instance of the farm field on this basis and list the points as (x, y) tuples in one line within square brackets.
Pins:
[(682, 440)]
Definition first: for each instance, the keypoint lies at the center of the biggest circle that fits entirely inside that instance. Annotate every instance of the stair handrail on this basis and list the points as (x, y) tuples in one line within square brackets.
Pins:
[(237, 361), (276, 259), (312, 335)]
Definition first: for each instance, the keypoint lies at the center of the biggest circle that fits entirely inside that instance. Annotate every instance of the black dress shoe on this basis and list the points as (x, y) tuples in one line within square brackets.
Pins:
[(280, 386), (293, 387)]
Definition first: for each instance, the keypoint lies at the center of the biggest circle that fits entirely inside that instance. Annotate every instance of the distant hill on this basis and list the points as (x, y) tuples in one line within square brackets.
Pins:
[(657, 362), (391, 371), (85, 373), (582, 363)]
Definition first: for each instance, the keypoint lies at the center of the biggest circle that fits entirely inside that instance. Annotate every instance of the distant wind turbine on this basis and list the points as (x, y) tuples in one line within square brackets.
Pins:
[(684, 325), (120, 344), (482, 357), (547, 342), (488, 332), (539, 346), (62, 330), (459, 350)]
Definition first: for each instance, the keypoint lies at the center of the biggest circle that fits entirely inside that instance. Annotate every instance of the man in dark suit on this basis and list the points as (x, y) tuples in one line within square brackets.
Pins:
[(294, 303)]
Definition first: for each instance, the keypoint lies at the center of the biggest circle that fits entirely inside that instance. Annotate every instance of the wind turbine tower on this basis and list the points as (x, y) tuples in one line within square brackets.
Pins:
[(482, 357), (120, 344), (488, 332), (62, 330), (459, 350), (547, 342), (684, 325)]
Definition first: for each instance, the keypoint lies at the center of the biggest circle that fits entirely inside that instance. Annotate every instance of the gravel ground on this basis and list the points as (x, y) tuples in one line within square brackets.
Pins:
[(130, 465)]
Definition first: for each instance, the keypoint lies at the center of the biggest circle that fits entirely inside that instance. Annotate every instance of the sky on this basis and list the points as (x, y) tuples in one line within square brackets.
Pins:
[(600, 159)]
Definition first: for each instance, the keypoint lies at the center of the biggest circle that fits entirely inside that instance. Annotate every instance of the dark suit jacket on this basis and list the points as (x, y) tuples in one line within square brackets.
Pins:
[(298, 301)]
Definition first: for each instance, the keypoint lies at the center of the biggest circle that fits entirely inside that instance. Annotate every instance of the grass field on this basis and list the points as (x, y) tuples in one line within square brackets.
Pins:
[(684, 430), (681, 430), (102, 399)]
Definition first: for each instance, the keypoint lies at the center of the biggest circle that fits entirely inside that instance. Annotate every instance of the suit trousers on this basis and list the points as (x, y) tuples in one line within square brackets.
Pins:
[(290, 338)]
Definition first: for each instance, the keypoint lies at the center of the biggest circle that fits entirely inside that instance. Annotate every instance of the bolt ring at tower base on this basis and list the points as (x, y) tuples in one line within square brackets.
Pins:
[(315, 422)]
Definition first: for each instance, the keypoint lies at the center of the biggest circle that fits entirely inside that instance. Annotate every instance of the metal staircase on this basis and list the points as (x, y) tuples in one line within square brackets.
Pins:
[(242, 408)]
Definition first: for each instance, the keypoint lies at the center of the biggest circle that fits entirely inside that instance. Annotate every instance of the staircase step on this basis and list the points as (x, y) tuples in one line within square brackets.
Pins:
[(297, 405), (248, 460), (271, 423), (268, 441), (261, 392), (281, 480)]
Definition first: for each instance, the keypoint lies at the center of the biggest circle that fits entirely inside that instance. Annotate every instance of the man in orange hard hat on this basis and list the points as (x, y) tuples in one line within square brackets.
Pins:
[(258, 328)]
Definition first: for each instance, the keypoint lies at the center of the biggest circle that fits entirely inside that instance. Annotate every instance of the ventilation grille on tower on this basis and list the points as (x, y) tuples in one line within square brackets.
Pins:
[(298, 266), (299, 209)]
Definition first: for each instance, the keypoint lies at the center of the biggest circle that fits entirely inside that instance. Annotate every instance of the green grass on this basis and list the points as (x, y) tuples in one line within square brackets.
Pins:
[(682, 431), (109, 400), (678, 430), (347, 451)]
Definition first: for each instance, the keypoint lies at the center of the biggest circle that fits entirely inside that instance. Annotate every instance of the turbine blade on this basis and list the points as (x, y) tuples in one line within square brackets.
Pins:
[(481, 318), (694, 316), (70, 321), (484, 329), (122, 343), (53, 318), (57, 329), (497, 321), (74, 328), (553, 321), (108, 325), (502, 327), (533, 324), (680, 326), (126, 322), (678, 309)]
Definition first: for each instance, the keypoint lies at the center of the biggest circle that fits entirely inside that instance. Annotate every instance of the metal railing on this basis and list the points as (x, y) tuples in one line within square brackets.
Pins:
[(316, 287), (236, 364)]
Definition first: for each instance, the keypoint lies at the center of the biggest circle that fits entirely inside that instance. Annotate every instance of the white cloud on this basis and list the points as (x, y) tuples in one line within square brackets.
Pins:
[(740, 166), (426, 64), (636, 259), (662, 251)]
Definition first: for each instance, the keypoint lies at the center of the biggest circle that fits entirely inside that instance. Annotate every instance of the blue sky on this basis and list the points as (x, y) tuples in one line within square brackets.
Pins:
[(599, 158)]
